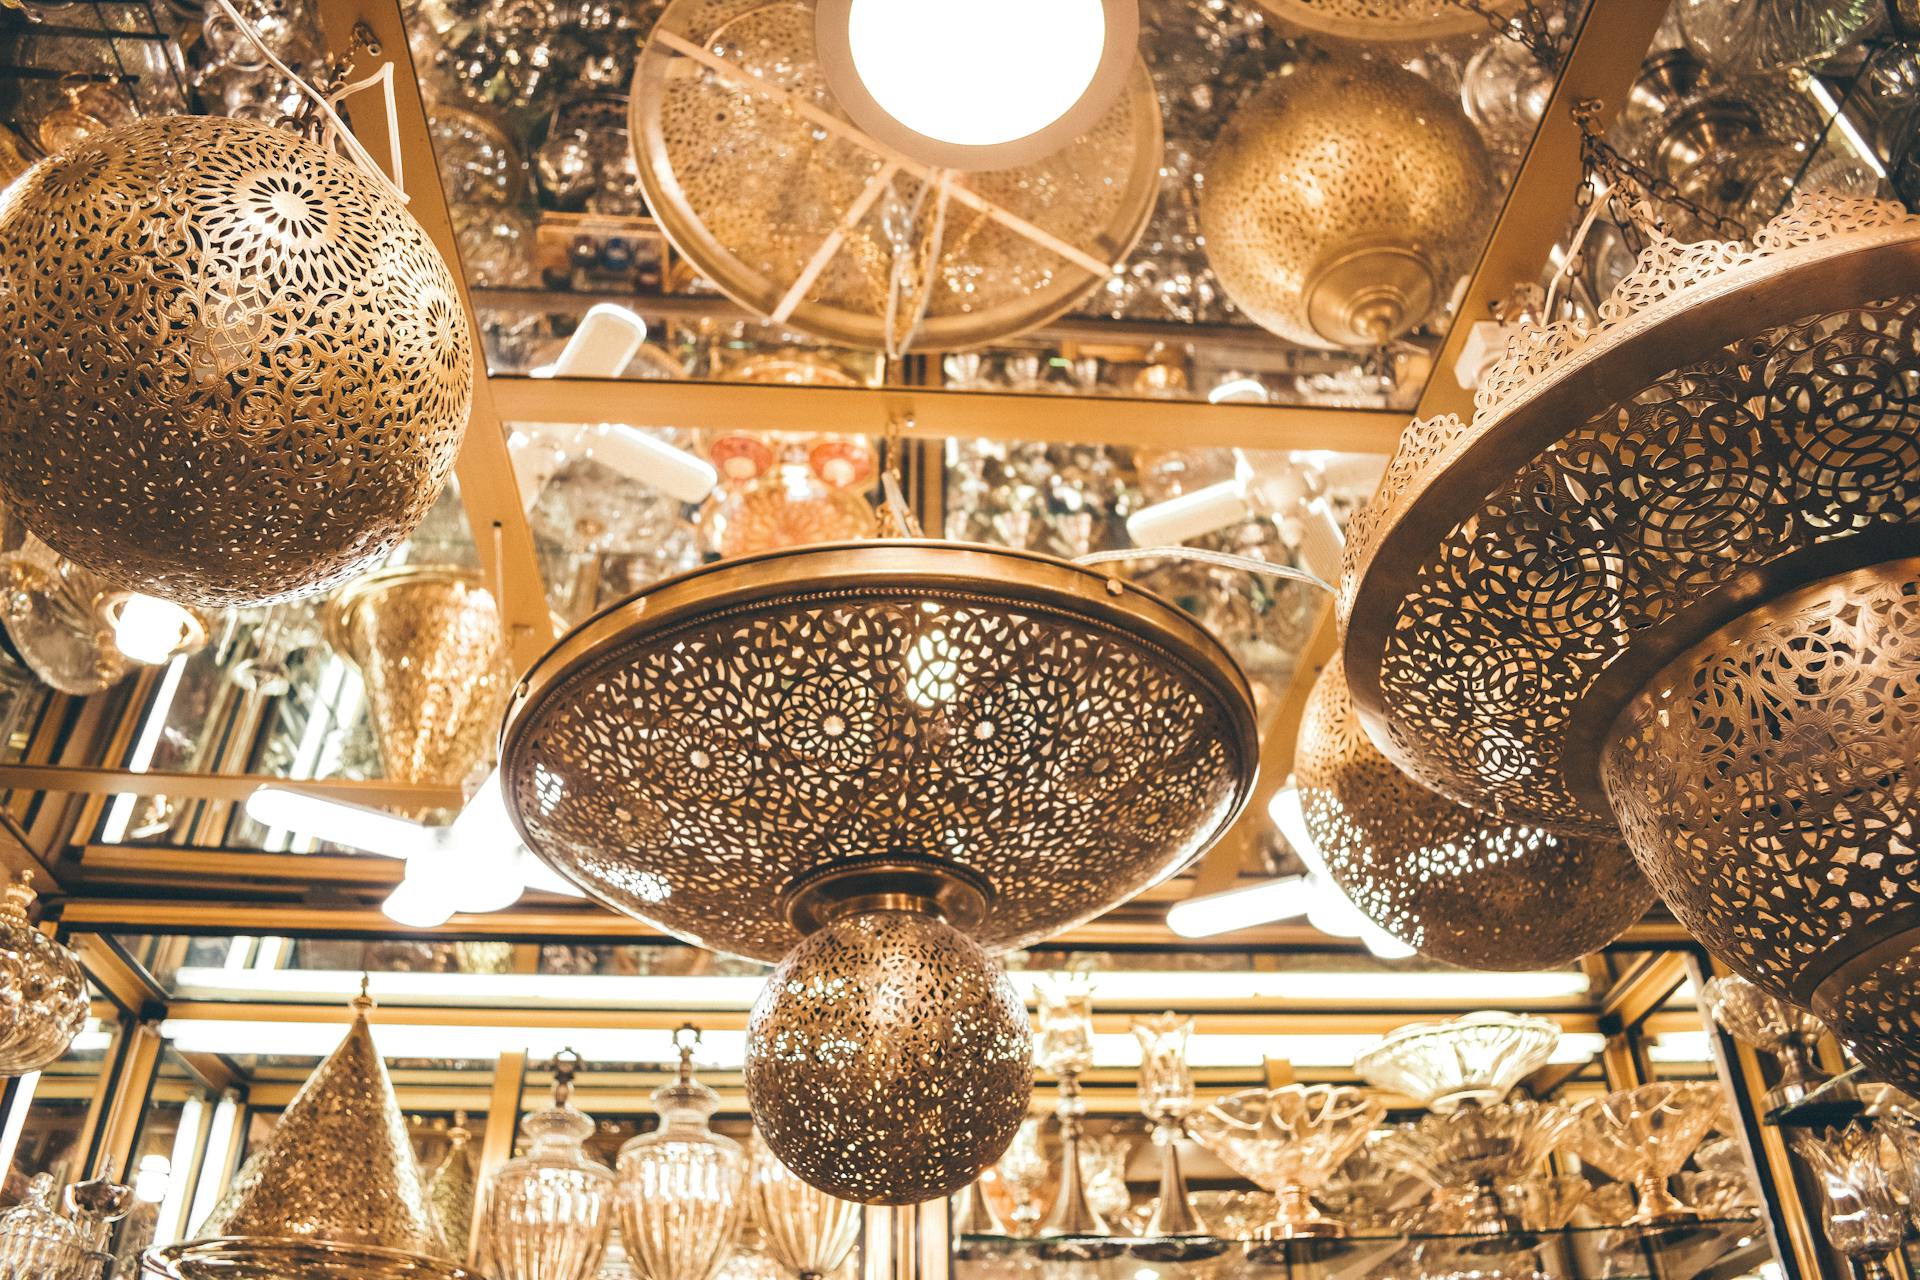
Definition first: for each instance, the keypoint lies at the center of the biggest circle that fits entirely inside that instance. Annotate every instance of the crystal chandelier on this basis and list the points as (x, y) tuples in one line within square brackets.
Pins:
[(1658, 580), (43, 994), (547, 1214), (255, 406), (682, 1187), (1001, 745)]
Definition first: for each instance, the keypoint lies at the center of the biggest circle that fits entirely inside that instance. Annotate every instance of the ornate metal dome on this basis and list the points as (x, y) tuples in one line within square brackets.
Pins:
[(1342, 199), (239, 371), (1657, 536), (758, 177), (1455, 884), (1385, 19), (884, 745)]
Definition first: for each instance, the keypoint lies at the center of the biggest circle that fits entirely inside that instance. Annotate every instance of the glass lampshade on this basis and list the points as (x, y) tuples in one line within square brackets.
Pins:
[(682, 1187), (549, 1212)]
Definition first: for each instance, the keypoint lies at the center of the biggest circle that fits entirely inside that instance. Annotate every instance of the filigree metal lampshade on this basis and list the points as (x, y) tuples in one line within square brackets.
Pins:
[(1385, 19), (239, 370), (1454, 884), (1341, 201), (451, 1189), (1657, 582), (43, 994), (1475, 1058), (428, 643), (759, 178), (335, 1192), (906, 754)]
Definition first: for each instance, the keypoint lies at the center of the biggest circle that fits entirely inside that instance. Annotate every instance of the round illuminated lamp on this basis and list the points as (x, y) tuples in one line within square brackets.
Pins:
[(762, 180), (1663, 583), (977, 84), (883, 761)]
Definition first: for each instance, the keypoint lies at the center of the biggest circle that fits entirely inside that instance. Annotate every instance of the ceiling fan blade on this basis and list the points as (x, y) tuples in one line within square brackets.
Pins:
[(337, 822)]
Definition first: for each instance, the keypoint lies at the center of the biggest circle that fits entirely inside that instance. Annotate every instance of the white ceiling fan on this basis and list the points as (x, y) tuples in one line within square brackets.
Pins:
[(472, 865)]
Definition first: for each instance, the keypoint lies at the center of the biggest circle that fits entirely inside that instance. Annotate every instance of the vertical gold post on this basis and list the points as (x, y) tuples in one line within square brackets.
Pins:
[(503, 1118)]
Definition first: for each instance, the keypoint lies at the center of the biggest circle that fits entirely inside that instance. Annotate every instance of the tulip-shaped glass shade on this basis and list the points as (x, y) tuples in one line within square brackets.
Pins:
[(549, 1212), (683, 1186)]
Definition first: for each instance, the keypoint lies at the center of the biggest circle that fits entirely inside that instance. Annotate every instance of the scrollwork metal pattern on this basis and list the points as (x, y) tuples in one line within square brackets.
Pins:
[(699, 767), (1385, 19), (1788, 436), (1455, 884), (237, 370), (889, 1061), (1767, 782)]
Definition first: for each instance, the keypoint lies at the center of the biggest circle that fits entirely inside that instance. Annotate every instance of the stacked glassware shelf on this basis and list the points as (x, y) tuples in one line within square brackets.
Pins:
[(1706, 1249)]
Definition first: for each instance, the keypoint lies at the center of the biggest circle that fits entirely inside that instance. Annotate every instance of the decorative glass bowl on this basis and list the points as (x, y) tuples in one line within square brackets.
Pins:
[(1289, 1141), (1542, 1201), (1860, 1169), (1466, 1156), (1773, 1026), (1478, 1057), (1642, 1136)]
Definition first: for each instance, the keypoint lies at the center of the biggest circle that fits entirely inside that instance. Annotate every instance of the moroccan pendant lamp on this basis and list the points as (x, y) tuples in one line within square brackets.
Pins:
[(878, 763), (335, 1192), (1668, 578), (1394, 20), (789, 159), (1454, 884)]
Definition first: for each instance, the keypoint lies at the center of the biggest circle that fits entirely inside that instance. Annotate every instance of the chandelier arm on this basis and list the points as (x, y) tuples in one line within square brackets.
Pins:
[(1223, 559)]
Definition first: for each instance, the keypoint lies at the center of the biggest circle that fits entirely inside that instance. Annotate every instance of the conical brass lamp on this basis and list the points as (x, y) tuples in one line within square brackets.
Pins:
[(336, 1192), (428, 643), (884, 761)]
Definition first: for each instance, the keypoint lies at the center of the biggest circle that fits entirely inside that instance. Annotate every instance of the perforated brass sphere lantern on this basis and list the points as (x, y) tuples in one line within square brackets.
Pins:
[(1454, 884), (1341, 201), (889, 759), (237, 370), (1665, 579)]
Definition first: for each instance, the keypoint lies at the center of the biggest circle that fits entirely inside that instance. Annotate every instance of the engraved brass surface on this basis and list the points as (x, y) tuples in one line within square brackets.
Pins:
[(1453, 883), (750, 185), (428, 642), (1061, 738), (1767, 780), (1342, 201), (237, 370), (1741, 420), (1385, 19), (889, 1061), (276, 1259)]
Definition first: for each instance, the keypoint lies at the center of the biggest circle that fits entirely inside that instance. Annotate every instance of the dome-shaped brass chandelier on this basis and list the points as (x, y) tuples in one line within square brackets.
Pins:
[(237, 370), (1454, 884), (883, 761), (1341, 201), (1663, 579), (759, 177), (1386, 19)]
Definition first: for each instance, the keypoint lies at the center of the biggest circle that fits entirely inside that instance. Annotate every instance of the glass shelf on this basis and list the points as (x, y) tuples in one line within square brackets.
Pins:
[(1716, 1249), (1849, 1096)]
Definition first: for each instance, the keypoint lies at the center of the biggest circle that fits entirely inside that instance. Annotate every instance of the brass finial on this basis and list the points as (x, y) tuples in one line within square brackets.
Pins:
[(566, 1065), (364, 1002), (686, 1048)]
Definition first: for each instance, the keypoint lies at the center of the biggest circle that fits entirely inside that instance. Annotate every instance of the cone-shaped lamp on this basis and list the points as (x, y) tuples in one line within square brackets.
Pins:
[(335, 1191)]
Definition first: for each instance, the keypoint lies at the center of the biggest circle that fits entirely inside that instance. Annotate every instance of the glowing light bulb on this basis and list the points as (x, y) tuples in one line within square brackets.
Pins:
[(150, 630)]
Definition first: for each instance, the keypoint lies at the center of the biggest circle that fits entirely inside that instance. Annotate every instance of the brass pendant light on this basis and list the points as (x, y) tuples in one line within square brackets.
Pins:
[(765, 183), (883, 761), (1452, 883), (1661, 580), (239, 371), (335, 1192), (1341, 201), (1387, 19)]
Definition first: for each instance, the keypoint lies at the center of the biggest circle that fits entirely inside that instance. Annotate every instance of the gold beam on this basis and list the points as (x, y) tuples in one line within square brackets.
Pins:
[(110, 970), (1643, 989), (485, 468), (933, 414), (80, 780), (503, 1119)]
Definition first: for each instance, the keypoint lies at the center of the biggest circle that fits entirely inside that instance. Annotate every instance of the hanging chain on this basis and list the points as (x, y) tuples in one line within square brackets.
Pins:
[(1637, 192), (1530, 27), (336, 72)]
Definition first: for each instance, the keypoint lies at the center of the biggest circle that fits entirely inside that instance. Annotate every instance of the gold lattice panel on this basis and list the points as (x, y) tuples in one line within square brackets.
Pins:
[(1768, 779), (1457, 885), (752, 172), (236, 369), (1062, 739)]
